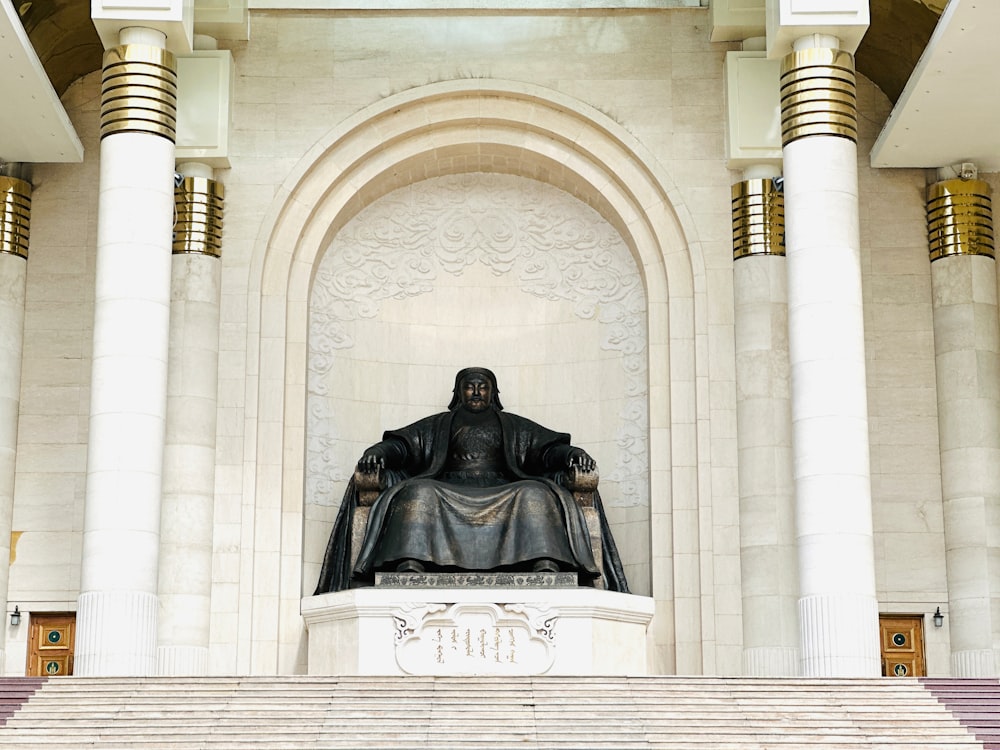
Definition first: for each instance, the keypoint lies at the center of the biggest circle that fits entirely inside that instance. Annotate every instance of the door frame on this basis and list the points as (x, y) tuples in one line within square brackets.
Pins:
[(61, 653)]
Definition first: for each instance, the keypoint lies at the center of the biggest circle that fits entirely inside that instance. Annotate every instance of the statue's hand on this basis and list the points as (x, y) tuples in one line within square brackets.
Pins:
[(581, 459), (371, 463)]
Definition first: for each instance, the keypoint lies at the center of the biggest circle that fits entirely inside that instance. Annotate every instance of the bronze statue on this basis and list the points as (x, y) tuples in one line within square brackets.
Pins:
[(474, 488)]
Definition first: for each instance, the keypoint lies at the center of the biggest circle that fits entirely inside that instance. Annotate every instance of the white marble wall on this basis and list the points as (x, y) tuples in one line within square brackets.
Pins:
[(902, 403), (655, 79), (13, 270), (50, 474)]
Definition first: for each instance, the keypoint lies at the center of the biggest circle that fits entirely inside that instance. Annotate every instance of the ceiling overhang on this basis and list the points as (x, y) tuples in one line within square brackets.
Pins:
[(949, 110), (33, 123)]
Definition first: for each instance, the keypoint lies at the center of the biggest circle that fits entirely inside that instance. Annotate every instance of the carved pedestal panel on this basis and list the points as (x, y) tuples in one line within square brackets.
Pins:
[(482, 631)]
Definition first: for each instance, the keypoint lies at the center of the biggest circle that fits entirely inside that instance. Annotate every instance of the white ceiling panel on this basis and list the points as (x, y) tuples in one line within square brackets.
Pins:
[(949, 111), (34, 126)]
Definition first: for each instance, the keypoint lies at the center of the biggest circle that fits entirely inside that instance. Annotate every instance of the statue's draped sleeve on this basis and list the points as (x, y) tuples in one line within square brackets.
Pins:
[(336, 571), (536, 451), (414, 446), (424, 445)]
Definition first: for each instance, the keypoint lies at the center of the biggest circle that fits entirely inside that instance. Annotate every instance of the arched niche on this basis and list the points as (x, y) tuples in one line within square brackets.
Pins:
[(450, 128), (490, 269)]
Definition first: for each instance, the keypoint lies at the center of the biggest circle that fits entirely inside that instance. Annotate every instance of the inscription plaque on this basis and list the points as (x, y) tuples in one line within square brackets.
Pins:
[(475, 638)]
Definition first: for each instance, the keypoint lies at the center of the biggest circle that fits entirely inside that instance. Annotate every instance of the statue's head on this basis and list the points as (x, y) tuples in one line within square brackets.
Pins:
[(476, 390)]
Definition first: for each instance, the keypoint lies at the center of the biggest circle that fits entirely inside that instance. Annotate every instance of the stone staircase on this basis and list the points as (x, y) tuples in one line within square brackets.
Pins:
[(976, 703), (679, 713), (14, 692)]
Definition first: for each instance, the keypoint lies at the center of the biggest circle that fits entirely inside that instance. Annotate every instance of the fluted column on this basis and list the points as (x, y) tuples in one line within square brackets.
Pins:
[(116, 618), (189, 453), (838, 610), (967, 360), (763, 429), (15, 216)]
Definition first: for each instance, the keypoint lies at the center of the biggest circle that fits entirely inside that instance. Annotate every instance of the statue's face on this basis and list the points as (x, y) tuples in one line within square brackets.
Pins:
[(477, 393)]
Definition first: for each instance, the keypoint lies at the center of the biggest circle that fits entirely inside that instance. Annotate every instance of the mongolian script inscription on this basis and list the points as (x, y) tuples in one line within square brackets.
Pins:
[(453, 645), (480, 639)]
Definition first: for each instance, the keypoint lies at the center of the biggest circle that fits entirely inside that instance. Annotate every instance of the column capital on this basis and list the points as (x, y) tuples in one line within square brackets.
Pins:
[(174, 18), (752, 109), (788, 20), (736, 20), (205, 85)]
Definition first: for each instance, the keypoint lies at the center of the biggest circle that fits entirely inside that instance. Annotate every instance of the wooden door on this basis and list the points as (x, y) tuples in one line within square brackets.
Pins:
[(902, 639), (50, 646)]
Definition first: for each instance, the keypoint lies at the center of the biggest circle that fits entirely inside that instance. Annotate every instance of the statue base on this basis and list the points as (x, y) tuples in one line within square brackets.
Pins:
[(476, 580), (477, 631)]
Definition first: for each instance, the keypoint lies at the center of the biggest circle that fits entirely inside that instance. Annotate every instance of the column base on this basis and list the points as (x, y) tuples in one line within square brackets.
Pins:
[(839, 636), (115, 634), (974, 663), (188, 661), (771, 661)]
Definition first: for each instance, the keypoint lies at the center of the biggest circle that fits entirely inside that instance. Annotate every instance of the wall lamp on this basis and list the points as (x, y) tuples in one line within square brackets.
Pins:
[(15, 616), (938, 618)]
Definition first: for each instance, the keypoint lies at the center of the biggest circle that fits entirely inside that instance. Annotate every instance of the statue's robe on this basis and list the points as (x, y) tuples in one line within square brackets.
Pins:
[(528, 515)]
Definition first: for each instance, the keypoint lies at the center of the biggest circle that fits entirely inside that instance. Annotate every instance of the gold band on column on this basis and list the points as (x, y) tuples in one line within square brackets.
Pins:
[(818, 95), (758, 219), (139, 91), (15, 216), (198, 204), (959, 218)]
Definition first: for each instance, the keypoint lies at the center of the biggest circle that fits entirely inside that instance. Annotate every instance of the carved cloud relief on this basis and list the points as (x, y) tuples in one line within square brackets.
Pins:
[(405, 243)]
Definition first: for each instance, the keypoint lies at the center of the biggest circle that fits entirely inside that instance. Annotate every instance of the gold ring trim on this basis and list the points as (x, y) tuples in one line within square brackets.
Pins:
[(198, 210), (15, 216), (758, 209), (818, 95), (139, 91), (959, 219), (817, 57), (124, 54), (805, 131), (845, 98)]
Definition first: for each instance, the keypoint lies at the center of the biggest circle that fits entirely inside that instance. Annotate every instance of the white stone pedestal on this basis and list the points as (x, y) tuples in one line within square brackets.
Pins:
[(486, 631)]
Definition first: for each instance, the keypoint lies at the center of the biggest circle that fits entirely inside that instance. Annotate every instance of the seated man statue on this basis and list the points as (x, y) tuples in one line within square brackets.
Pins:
[(474, 489)]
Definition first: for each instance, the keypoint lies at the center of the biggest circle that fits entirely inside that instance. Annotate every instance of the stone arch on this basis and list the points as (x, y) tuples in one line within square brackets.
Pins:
[(446, 128)]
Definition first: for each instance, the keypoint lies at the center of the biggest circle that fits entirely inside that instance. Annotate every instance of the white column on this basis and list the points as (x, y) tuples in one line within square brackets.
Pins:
[(764, 434), (189, 454), (116, 618), (838, 610), (15, 211), (967, 359)]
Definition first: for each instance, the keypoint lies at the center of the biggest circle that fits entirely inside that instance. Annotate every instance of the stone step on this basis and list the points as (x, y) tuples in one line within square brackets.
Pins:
[(258, 713)]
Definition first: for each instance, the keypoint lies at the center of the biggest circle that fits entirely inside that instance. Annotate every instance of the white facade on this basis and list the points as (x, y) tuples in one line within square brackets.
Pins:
[(599, 131)]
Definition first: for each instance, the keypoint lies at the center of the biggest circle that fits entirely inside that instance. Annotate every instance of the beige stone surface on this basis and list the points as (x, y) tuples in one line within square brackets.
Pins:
[(621, 111)]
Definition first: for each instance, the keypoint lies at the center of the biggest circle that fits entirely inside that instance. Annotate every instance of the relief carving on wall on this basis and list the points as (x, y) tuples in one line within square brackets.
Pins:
[(558, 249)]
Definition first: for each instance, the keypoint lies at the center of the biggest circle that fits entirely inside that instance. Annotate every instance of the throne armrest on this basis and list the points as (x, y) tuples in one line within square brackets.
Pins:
[(369, 485), (582, 484)]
